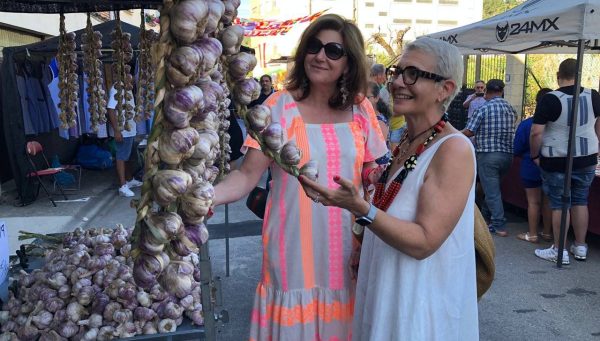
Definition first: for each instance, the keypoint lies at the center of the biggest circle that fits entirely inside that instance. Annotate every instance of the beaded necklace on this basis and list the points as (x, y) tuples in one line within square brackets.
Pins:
[(383, 198)]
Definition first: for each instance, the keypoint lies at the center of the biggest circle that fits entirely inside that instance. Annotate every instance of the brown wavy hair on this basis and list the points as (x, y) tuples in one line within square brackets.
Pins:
[(355, 78)]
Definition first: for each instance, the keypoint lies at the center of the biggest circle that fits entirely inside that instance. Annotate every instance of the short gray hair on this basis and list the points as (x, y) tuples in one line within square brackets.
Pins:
[(449, 62), (377, 69)]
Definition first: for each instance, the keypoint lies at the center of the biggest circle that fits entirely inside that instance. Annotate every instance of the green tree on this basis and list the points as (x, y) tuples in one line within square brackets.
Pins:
[(495, 7)]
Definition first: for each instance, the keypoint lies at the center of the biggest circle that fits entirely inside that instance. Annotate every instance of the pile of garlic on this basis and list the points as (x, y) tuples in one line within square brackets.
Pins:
[(68, 81), (85, 291), (91, 44)]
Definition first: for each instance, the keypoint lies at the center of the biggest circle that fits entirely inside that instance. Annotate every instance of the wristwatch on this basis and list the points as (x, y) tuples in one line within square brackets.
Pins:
[(368, 218)]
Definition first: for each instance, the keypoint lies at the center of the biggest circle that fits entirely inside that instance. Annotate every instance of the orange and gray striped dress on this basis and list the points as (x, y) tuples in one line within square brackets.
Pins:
[(306, 291)]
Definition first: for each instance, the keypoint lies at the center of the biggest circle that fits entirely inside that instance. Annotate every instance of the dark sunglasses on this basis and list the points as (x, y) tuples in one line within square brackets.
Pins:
[(411, 74), (333, 51)]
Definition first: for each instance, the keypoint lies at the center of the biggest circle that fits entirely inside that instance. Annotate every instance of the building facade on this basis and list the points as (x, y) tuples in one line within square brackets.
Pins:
[(372, 16)]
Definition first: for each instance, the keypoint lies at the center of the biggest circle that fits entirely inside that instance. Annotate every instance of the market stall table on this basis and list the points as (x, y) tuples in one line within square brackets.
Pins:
[(514, 194)]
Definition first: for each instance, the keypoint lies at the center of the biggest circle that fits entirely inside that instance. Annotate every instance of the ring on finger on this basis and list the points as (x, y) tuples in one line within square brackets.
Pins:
[(316, 199)]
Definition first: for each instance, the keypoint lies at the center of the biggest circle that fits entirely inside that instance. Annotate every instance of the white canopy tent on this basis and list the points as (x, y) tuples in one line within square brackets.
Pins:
[(538, 26)]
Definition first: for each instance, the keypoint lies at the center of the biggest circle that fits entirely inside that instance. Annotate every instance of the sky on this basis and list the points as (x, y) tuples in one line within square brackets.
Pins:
[(244, 10)]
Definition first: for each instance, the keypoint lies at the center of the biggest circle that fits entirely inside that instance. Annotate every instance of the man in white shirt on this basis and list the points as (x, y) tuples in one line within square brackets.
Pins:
[(124, 143)]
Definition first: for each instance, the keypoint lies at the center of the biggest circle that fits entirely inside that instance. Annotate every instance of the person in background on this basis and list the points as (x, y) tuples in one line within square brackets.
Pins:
[(306, 290), (123, 142), (493, 127), (549, 140), (379, 77), (383, 116), (416, 279), (266, 89), (532, 182), (397, 127), (476, 99)]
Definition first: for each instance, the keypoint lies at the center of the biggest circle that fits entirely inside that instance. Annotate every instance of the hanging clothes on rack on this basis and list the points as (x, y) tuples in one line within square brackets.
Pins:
[(27, 123), (46, 78)]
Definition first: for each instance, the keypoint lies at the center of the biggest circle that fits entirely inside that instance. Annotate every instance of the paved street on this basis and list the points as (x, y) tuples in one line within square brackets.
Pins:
[(530, 299)]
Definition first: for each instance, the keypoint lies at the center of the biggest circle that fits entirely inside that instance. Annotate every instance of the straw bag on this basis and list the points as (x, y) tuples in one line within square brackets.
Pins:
[(485, 252)]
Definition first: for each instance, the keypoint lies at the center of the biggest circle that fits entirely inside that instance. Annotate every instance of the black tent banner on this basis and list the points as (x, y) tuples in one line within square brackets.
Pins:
[(65, 6), (12, 113)]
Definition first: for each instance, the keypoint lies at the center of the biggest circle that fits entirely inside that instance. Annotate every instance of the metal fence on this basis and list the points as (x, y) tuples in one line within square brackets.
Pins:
[(483, 67)]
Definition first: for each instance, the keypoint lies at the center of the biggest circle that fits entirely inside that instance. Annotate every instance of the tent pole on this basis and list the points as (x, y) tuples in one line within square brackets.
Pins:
[(566, 197)]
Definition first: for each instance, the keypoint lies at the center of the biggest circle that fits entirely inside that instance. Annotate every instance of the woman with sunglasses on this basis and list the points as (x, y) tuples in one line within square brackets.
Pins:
[(306, 291), (416, 277)]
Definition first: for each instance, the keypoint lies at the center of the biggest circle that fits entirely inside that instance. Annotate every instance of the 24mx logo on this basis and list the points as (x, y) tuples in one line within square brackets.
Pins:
[(450, 39), (504, 30)]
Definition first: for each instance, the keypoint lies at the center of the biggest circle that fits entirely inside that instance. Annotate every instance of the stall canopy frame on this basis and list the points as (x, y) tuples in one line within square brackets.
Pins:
[(543, 27)]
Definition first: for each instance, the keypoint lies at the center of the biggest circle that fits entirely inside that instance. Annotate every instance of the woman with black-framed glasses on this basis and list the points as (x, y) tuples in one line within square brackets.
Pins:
[(416, 276), (306, 290)]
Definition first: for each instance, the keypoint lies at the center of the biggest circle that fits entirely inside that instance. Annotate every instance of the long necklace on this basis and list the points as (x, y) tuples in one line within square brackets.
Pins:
[(402, 151), (383, 198)]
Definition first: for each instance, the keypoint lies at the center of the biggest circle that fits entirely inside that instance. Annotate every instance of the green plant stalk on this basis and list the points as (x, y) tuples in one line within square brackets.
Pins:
[(162, 50), (24, 235)]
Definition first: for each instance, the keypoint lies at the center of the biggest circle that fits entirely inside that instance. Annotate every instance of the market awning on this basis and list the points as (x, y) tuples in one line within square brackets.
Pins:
[(536, 26), (69, 6)]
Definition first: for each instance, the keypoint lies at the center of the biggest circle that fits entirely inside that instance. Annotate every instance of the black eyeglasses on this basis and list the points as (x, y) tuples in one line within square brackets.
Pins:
[(411, 74), (333, 51)]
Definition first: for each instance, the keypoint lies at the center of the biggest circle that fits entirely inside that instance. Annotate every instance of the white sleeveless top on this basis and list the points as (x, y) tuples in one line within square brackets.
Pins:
[(401, 298), (555, 139)]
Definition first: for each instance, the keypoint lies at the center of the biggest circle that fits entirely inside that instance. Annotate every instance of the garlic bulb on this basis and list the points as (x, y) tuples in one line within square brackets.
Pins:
[(177, 278), (167, 326), (68, 329), (182, 66), (188, 19), (310, 170), (290, 154), (273, 136), (245, 91), (216, 8), (196, 202), (240, 64), (231, 38), (259, 117), (177, 145), (169, 185), (91, 335)]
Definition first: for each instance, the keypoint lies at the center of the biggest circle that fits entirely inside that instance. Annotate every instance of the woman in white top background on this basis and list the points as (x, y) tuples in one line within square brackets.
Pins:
[(416, 278)]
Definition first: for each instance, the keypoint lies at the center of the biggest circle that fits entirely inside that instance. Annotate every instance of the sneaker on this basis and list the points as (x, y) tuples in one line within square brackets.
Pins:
[(579, 251), (551, 254), (124, 191), (133, 183)]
